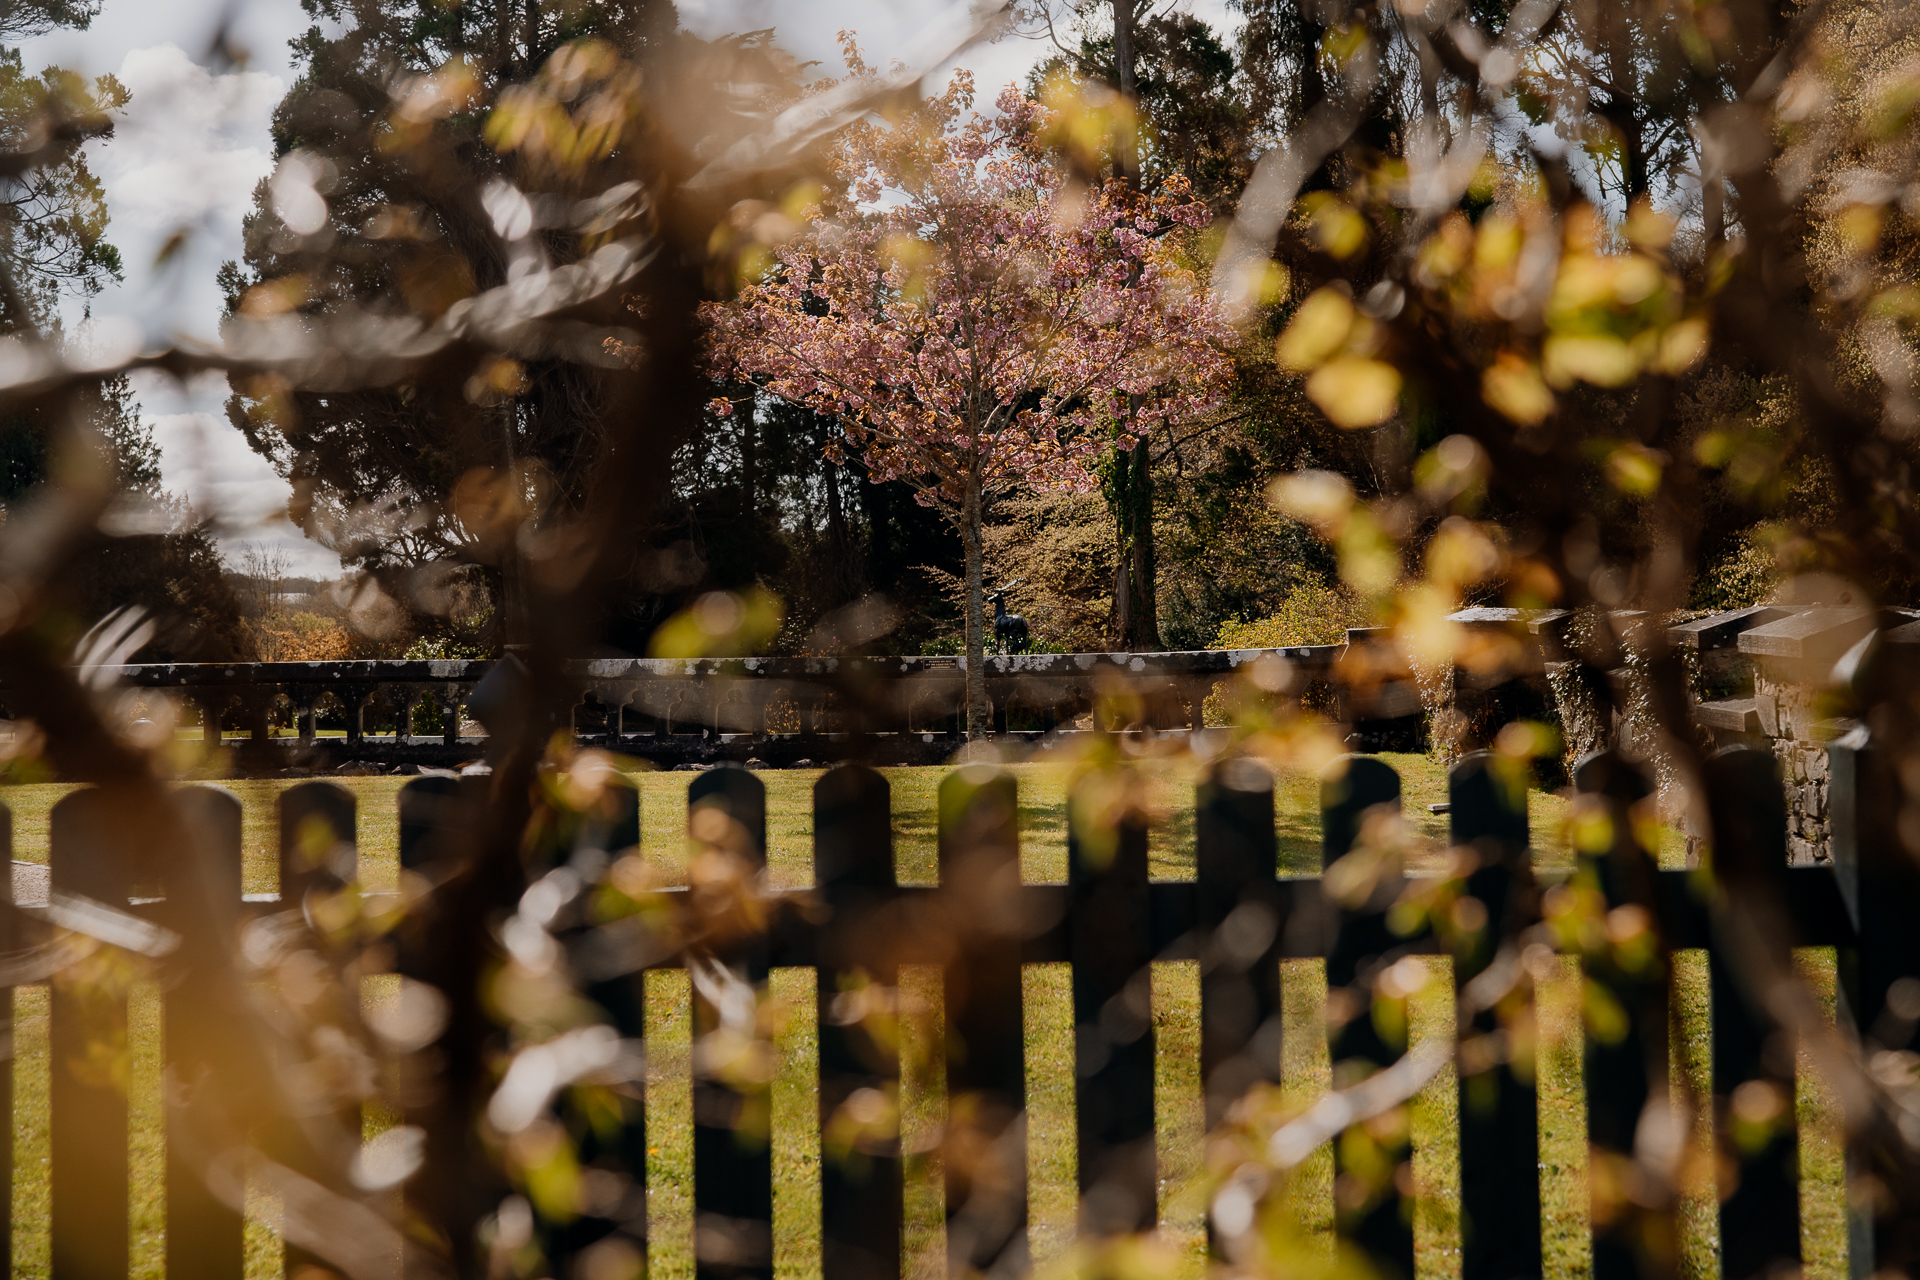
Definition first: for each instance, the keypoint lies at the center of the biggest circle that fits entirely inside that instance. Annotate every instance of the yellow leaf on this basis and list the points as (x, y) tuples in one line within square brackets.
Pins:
[(1461, 554), (1636, 279), (1860, 228), (1682, 346), (721, 624), (1514, 387), (1596, 358), (1584, 281), (1446, 250), (1336, 226), (1424, 629), (1498, 244), (1322, 499), (1356, 392), (1635, 469), (1274, 283), (1317, 331), (1647, 228), (1369, 560), (1901, 302)]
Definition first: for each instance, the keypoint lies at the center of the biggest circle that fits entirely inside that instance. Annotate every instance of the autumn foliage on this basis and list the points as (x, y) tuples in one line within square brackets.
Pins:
[(979, 320)]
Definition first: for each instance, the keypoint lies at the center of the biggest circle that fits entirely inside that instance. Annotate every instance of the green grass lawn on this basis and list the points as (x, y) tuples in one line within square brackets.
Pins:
[(1050, 1046)]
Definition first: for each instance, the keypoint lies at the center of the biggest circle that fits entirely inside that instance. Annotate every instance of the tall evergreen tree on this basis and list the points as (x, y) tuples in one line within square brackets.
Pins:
[(54, 250), (393, 198)]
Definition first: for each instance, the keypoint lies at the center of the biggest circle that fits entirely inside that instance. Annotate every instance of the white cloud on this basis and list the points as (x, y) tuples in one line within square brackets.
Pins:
[(184, 159), (209, 462)]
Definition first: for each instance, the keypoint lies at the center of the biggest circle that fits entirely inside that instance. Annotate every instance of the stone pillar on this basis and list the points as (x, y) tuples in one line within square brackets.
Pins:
[(258, 707), (209, 718), (403, 722), (450, 699), (1197, 692), (353, 702)]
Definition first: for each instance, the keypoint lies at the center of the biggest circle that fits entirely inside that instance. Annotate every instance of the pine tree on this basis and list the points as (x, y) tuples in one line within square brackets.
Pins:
[(390, 123), (54, 249)]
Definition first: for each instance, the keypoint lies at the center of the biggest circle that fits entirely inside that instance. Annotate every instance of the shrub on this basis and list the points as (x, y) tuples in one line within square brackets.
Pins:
[(299, 637), (1745, 573), (1312, 613)]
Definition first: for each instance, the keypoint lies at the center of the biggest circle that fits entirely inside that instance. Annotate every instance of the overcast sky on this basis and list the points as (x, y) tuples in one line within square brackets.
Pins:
[(194, 142)]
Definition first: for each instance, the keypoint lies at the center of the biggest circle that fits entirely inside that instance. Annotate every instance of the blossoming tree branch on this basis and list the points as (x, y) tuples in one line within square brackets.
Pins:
[(978, 319)]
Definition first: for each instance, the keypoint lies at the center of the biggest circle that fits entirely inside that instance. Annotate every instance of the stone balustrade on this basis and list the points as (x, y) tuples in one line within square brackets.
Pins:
[(677, 711), (1758, 676)]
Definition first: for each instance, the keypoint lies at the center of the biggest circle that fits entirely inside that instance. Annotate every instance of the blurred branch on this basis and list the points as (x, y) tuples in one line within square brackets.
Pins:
[(956, 28), (1343, 1108)]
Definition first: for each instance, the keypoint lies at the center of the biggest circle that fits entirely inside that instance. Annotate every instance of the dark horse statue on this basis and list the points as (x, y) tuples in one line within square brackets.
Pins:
[(1010, 629)]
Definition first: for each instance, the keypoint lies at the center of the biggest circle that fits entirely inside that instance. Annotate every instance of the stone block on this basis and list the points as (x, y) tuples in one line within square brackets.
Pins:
[(1722, 630)]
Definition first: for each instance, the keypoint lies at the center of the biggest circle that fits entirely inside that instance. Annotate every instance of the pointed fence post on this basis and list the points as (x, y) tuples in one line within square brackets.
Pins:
[(1354, 788), (88, 1120), (434, 830), (1111, 945), (732, 1150), (318, 854), (613, 828), (318, 839), (1242, 918), (1626, 1075), (205, 1237), (860, 1175), (1499, 1111), (1753, 1068), (985, 1033), (1880, 884)]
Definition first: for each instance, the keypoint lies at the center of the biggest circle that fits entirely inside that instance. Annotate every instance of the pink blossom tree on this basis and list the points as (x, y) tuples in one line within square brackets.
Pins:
[(977, 318)]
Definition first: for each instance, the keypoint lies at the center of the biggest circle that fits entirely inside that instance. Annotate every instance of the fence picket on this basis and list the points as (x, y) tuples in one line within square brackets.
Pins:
[(318, 844), (88, 1025), (434, 837), (1110, 927), (861, 1184), (1355, 787), (1623, 1075), (1499, 1110), (1760, 1221), (732, 1150), (318, 853), (985, 1043), (1242, 917), (1881, 887), (612, 828), (205, 1236)]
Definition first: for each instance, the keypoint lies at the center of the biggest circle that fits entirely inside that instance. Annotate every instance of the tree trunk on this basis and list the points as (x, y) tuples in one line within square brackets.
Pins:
[(977, 714), (513, 587), (1128, 152), (1135, 623), (1146, 613), (1120, 501), (1136, 619)]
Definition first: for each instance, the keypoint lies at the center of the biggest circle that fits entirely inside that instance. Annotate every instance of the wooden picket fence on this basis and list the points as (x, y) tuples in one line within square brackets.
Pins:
[(1109, 921)]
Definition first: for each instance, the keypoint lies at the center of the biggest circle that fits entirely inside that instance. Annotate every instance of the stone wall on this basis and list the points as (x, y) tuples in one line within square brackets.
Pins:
[(1761, 677)]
